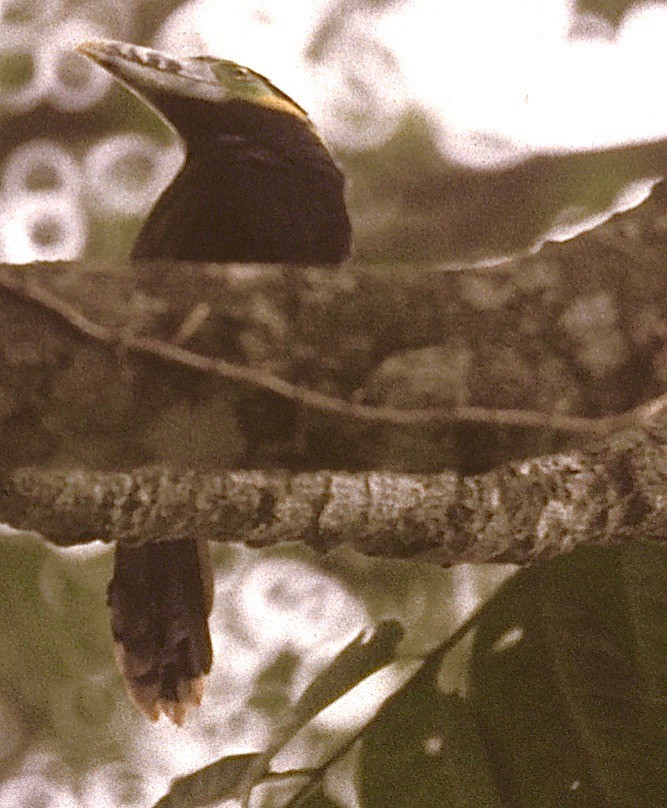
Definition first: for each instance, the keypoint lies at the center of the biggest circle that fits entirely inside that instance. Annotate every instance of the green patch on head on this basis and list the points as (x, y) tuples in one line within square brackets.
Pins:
[(245, 84)]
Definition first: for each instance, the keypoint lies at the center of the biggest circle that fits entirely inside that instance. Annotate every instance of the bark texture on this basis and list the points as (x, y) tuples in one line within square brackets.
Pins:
[(520, 512)]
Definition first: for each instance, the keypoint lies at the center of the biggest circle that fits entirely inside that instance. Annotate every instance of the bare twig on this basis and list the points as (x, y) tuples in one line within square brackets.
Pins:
[(174, 354)]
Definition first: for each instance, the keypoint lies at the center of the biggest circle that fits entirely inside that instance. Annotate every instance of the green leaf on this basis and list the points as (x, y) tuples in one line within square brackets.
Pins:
[(272, 684), (568, 680), (424, 750), (362, 657), (16, 71), (212, 784)]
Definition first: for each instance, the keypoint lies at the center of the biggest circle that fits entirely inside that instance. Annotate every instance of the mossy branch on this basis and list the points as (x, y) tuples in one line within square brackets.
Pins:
[(173, 353)]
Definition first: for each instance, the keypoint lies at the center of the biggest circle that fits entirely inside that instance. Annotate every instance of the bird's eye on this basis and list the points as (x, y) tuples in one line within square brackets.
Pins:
[(241, 72)]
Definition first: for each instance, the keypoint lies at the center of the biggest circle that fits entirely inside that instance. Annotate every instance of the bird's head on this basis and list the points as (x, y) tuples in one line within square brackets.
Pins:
[(258, 183), (200, 94)]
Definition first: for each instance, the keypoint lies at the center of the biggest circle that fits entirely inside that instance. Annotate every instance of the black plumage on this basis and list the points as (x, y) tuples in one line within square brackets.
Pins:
[(269, 192), (257, 185)]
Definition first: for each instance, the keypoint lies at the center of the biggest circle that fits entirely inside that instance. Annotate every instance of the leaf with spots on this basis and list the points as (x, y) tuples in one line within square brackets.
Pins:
[(567, 680), (423, 751)]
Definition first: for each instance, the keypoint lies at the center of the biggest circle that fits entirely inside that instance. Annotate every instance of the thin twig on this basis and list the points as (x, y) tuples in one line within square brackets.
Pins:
[(174, 354)]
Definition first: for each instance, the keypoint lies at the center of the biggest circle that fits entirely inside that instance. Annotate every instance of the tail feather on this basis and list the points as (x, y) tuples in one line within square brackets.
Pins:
[(160, 598)]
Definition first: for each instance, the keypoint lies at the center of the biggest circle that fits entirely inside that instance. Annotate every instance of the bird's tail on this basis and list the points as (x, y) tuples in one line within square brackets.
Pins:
[(160, 598)]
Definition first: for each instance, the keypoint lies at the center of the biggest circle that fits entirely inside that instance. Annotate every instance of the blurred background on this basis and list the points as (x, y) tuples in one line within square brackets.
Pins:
[(428, 91), (469, 132)]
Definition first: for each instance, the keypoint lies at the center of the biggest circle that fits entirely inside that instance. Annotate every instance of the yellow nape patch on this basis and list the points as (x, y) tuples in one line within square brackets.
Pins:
[(283, 105)]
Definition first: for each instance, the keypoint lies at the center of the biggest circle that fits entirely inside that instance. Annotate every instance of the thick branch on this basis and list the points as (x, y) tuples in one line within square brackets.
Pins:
[(517, 513), (312, 399)]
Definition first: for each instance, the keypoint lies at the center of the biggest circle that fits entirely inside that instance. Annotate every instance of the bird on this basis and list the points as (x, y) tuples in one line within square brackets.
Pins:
[(258, 184)]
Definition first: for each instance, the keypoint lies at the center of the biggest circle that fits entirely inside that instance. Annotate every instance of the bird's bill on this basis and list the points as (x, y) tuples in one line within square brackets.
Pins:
[(151, 73), (156, 76)]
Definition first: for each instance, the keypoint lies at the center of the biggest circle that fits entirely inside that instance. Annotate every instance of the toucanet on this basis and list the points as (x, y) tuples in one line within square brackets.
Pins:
[(258, 185)]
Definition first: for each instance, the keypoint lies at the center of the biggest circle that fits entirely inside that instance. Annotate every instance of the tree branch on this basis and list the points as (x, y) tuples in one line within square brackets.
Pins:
[(122, 367), (28, 289), (517, 513)]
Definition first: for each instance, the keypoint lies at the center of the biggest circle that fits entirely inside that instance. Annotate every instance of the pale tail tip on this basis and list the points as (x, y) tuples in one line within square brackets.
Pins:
[(147, 697)]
